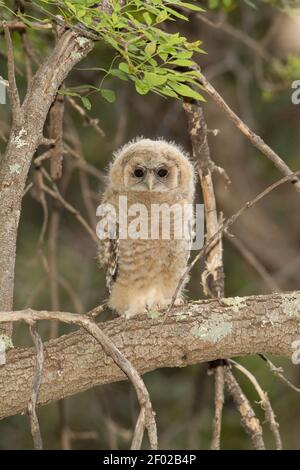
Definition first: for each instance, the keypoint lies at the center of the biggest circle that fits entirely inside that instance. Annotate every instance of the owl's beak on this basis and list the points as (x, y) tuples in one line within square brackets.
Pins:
[(149, 182)]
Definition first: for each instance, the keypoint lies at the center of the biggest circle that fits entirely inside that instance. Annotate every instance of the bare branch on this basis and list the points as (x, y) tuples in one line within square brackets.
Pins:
[(255, 139), (56, 122), (17, 25), (109, 348), (228, 223), (139, 431), (197, 332), (238, 35), (38, 177), (254, 262), (265, 403), (249, 421), (93, 122), (56, 195), (12, 90), (278, 371), (213, 275), (219, 402)]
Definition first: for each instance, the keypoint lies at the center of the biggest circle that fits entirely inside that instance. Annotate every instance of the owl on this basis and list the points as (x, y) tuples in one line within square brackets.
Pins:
[(144, 267)]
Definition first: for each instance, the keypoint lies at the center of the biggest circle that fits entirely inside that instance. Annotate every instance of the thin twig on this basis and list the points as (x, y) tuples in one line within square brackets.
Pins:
[(26, 49), (52, 268), (28, 188), (56, 122), (84, 165), (84, 180), (265, 403), (93, 122), (109, 348), (43, 157), (17, 25), (74, 297), (249, 420), (57, 195), (219, 402), (252, 260), (278, 371), (255, 139), (38, 176), (238, 35), (12, 90), (226, 224), (61, 22), (138, 431)]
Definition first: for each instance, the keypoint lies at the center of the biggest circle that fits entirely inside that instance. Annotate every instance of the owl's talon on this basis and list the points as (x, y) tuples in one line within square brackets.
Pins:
[(178, 302), (128, 314)]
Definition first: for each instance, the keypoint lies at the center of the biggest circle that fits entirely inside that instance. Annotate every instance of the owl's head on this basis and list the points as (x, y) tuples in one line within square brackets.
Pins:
[(151, 166)]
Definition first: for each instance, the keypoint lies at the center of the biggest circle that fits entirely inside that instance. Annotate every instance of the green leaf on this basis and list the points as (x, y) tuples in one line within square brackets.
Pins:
[(112, 42), (123, 66), (147, 18), (185, 90), (183, 62), (153, 62), (168, 92), (108, 95), (86, 103), (142, 87), (191, 6), (81, 13), (119, 74), (150, 48), (176, 14), (193, 46), (153, 79), (180, 77), (184, 55), (72, 7), (162, 16), (163, 56)]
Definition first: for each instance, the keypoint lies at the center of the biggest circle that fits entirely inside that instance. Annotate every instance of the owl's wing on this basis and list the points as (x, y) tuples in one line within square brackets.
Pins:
[(108, 251)]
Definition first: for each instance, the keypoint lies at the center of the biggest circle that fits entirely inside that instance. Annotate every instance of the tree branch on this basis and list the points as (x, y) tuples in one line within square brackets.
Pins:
[(196, 332), (12, 90), (213, 275), (249, 421), (23, 142), (255, 139)]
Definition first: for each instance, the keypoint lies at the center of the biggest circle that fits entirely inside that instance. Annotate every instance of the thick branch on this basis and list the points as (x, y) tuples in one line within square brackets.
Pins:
[(197, 332), (213, 275)]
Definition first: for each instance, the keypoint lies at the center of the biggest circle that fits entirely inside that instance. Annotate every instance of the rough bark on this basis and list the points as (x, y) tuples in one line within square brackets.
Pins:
[(25, 137), (197, 332), (213, 275)]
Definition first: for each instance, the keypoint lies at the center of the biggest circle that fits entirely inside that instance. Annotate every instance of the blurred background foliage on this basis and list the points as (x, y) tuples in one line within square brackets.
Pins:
[(255, 78)]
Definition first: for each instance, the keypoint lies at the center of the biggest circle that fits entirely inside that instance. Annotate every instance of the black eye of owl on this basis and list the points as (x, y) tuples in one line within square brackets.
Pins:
[(162, 172), (139, 172)]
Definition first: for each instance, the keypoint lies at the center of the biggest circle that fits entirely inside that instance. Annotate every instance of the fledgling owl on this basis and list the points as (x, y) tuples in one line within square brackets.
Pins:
[(142, 273)]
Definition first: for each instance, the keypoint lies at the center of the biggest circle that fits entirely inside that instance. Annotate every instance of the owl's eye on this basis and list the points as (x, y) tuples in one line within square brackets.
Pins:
[(139, 172), (162, 172)]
